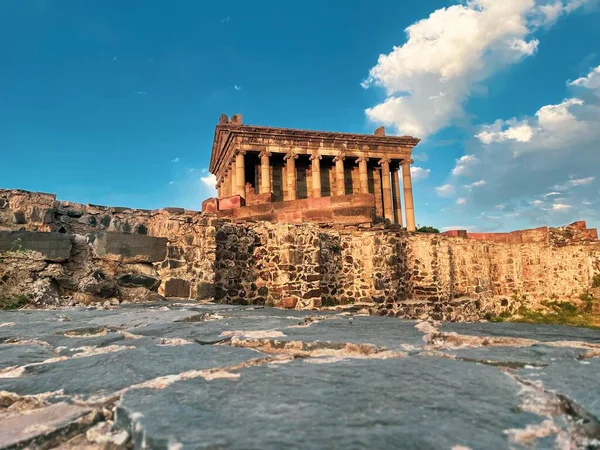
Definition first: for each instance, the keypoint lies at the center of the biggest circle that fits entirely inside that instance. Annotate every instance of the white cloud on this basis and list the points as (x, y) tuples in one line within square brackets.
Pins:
[(447, 190), (461, 201), (493, 133), (225, 19), (171, 183), (237, 88), (591, 81), (176, 160), (463, 165), (561, 207), (581, 181), (475, 184), (554, 161), (419, 173), (140, 93), (449, 54), (209, 181)]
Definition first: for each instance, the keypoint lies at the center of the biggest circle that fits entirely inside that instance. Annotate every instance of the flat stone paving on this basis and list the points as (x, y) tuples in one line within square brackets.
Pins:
[(187, 375)]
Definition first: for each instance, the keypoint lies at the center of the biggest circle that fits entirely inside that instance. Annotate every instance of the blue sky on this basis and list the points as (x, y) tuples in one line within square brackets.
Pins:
[(113, 102)]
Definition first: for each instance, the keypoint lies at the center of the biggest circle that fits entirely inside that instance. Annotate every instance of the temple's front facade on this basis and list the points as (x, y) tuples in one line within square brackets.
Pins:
[(282, 174)]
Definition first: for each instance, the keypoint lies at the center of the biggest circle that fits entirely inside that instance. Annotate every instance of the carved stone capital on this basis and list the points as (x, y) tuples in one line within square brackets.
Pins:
[(383, 161), (362, 159), (340, 157), (240, 152), (315, 155), (265, 153), (290, 155), (407, 161)]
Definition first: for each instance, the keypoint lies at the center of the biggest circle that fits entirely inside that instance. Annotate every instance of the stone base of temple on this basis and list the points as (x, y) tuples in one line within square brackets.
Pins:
[(342, 209)]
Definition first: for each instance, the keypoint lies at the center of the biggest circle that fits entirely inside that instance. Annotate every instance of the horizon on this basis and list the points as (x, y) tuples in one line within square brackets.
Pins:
[(116, 104)]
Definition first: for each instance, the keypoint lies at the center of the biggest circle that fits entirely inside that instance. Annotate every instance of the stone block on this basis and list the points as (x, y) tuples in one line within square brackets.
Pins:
[(233, 202), (177, 288), (102, 289), (259, 199), (31, 428), (130, 247), (318, 216), (53, 246), (138, 280), (205, 290), (210, 205), (319, 203)]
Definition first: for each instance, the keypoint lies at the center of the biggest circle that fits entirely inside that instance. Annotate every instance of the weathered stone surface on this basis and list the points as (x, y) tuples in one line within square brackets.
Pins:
[(130, 247), (210, 205), (53, 246), (137, 280), (102, 289), (177, 371), (176, 288), (42, 424), (577, 381), (359, 404), (205, 291)]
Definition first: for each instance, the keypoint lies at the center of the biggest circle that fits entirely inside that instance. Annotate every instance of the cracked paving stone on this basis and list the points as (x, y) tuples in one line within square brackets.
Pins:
[(422, 402), (211, 330), (542, 333), (19, 355), (386, 332), (578, 381), (519, 356), (106, 373), (41, 424)]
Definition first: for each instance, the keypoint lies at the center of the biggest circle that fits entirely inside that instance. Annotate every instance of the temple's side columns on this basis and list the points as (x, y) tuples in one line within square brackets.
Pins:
[(388, 209), (265, 173), (233, 187), (291, 175), (408, 196), (340, 187), (240, 174), (315, 159), (363, 176), (219, 187), (396, 192)]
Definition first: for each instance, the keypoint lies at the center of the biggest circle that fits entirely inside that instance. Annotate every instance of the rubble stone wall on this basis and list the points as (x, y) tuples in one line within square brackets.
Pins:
[(287, 265)]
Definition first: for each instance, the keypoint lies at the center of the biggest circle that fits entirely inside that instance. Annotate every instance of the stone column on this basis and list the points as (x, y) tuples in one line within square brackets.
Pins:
[(408, 195), (363, 176), (340, 185), (265, 172), (396, 192), (291, 174), (219, 187), (233, 187), (240, 174), (388, 209), (315, 159)]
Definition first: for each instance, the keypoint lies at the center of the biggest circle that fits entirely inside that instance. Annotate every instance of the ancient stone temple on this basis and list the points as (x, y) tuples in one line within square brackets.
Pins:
[(290, 175)]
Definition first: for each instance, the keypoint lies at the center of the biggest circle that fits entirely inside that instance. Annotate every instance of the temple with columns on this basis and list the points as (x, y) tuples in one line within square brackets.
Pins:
[(291, 175)]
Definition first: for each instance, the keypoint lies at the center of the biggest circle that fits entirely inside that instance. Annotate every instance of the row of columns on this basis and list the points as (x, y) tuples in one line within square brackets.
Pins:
[(234, 182)]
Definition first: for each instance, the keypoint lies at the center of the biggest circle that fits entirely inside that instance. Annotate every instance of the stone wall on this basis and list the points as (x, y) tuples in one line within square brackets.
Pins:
[(386, 270)]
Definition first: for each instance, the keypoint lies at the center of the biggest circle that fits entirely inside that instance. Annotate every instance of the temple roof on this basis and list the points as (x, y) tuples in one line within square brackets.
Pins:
[(227, 129)]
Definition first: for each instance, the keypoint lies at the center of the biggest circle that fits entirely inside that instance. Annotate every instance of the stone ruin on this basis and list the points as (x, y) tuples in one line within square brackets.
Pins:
[(60, 253)]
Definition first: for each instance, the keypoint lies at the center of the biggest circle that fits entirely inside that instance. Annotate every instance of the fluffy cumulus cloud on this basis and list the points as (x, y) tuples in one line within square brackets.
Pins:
[(446, 190), (449, 54), (540, 168), (419, 173), (209, 181)]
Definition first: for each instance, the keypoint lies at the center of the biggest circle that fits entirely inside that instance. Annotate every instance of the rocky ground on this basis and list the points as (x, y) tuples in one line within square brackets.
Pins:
[(214, 376)]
